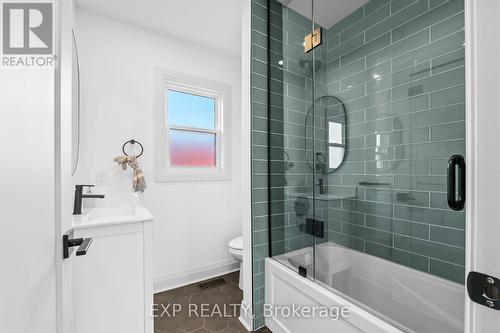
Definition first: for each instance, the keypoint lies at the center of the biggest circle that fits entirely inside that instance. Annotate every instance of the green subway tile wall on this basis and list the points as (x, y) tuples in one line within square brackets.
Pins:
[(399, 68), (405, 62)]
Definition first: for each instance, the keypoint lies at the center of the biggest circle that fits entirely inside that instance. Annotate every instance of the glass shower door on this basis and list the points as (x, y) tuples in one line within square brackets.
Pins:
[(291, 180), (361, 129), (388, 113)]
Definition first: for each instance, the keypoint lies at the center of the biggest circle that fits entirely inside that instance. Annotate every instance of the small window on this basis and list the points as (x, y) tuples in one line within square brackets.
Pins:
[(191, 113)]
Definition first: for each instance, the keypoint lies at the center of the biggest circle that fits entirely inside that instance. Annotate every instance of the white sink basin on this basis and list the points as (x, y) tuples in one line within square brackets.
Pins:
[(113, 214)]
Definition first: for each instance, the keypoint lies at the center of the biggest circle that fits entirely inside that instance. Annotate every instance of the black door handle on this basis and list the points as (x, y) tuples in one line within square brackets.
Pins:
[(84, 247), (456, 198)]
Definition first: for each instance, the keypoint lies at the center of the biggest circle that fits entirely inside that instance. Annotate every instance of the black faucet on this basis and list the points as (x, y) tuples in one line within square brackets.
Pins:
[(77, 208)]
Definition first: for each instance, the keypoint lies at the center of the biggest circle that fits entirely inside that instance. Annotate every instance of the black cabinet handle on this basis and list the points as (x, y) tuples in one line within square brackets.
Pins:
[(456, 198)]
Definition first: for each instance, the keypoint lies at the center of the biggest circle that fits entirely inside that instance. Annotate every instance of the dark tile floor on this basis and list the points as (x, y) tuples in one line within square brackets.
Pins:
[(188, 309)]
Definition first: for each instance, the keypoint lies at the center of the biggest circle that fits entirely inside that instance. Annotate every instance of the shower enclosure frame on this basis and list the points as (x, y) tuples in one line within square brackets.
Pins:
[(483, 214)]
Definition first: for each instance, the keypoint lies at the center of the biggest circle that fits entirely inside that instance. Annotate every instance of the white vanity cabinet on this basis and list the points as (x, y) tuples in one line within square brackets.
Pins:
[(113, 282)]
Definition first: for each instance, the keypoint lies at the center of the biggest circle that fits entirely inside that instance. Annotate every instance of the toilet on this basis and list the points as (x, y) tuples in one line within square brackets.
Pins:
[(236, 250)]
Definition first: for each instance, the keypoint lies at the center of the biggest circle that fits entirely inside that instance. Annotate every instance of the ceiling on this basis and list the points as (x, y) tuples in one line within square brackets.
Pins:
[(327, 12), (214, 24)]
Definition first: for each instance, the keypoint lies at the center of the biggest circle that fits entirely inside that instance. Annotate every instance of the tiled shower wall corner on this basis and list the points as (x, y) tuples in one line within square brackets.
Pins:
[(399, 67)]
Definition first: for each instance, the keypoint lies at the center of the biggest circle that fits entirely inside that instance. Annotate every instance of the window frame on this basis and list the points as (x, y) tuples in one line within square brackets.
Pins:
[(183, 83)]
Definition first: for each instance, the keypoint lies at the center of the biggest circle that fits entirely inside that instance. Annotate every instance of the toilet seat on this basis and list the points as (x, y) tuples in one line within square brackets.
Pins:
[(236, 244), (236, 250)]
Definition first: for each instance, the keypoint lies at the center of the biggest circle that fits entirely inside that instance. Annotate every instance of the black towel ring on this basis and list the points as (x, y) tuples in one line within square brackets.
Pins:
[(133, 142)]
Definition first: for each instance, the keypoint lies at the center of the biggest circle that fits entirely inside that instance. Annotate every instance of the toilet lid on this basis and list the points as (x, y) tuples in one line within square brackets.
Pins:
[(236, 243)]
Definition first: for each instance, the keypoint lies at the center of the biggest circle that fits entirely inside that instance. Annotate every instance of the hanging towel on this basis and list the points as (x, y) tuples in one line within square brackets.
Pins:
[(138, 183)]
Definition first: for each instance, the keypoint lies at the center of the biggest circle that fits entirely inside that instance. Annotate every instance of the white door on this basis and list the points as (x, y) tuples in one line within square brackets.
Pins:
[(483, 153), (28, 279), (35, 198), (63, 153)]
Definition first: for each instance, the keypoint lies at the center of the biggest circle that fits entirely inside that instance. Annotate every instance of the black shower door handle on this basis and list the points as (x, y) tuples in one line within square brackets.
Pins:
[(456, 198)]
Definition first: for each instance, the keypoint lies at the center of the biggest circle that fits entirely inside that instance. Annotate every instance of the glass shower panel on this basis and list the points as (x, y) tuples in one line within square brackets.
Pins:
[(389, 111), (291, 87)]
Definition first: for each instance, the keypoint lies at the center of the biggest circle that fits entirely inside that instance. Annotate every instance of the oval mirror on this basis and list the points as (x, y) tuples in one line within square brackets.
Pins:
[(329, 130)]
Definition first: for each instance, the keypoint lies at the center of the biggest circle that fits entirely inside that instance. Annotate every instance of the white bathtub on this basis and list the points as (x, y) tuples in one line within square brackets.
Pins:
[(383, 296)]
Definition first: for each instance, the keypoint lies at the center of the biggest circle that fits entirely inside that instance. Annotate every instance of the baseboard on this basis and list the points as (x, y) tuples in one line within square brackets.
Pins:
[(193, 275), (246, 317)]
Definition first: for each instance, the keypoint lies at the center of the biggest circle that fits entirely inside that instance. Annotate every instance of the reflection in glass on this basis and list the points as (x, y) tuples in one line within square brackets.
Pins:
[(335, 133), (336, 155)]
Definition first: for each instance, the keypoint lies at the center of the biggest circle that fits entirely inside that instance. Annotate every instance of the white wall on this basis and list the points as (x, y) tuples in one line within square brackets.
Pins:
[(193, 220)]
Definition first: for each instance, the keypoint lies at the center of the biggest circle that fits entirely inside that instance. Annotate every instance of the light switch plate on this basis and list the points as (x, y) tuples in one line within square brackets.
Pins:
[(101, 177)]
